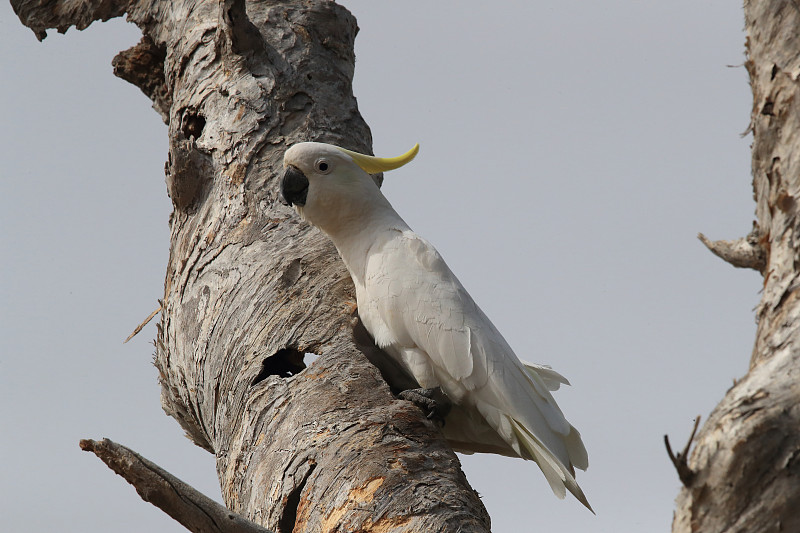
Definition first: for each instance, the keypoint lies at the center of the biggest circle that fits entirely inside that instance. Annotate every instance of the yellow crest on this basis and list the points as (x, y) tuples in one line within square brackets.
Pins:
[(372, 165)]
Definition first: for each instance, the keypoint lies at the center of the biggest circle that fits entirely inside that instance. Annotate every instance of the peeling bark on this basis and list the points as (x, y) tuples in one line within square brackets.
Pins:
[(250, 288), (745, 463)]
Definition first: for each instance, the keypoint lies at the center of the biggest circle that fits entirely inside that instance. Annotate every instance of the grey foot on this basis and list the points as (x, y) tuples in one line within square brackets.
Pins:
[(433, 402)]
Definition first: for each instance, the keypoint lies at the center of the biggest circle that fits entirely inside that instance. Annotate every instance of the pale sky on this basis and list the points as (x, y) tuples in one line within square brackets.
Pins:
[(570, 152)]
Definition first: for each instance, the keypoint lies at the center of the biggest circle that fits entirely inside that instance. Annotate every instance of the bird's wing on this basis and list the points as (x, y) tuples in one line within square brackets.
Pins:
[(424, 306)]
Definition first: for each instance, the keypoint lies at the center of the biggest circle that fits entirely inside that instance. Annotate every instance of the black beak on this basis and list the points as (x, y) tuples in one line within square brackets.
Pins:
[(294, 187)]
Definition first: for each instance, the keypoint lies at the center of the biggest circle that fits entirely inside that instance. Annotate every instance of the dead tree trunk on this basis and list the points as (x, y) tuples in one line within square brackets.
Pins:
[(745, 468), (250, 288)]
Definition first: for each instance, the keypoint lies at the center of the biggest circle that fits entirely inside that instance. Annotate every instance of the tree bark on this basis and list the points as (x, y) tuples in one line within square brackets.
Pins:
[(250, 288), (195, 511), (746, 462)]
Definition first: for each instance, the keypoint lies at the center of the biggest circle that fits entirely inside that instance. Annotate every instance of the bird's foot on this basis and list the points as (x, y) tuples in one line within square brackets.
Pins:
[(433, 402)]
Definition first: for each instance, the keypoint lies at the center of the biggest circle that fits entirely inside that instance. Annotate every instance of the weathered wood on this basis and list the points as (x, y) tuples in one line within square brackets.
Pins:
[(746, 462), (746, 252), (250, 288), (42, 15), (195, 511), (680, 460)]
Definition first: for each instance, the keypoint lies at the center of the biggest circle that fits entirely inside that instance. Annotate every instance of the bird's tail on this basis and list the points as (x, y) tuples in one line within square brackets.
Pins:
[(558, 475), (558, 468)]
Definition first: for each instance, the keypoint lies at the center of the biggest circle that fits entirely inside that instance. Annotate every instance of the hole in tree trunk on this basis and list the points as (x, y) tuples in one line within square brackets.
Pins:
[(192, 124), (285, 363)]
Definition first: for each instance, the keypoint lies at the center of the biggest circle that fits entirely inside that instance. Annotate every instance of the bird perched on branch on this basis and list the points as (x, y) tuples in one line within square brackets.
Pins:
[(419, 313)]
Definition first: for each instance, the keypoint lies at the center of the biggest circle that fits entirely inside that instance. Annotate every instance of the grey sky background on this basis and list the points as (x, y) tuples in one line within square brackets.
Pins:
[(570, 152)]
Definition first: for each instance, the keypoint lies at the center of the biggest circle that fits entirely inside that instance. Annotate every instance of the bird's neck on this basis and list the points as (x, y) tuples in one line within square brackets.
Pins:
[(363, 233)]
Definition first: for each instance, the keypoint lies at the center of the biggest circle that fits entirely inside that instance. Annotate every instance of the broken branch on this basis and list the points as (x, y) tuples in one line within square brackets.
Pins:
[(685, 473), (741, 253), (195, 511), (142, 325)]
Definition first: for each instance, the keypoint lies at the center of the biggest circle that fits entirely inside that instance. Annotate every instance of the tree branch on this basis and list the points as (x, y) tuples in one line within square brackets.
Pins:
[(194, 510), (42, 15), (741, 253), (685, 473), (143, 66), (143, 324)]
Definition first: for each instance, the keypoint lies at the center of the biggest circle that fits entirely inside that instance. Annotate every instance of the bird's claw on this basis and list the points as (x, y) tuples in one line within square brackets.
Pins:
[(433, 402)]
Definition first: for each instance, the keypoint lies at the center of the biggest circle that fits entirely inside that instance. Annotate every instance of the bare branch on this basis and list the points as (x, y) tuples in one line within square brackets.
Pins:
[(741, 253), (143, 66), (143, 324), (685, 473), (42, 15), (195, 511)]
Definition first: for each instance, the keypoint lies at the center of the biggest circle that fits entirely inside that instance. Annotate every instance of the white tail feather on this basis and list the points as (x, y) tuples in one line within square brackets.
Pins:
[(560, 476), (557, 474)]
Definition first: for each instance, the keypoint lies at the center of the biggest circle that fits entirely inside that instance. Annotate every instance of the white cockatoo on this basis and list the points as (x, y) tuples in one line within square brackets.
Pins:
[(419, 313)]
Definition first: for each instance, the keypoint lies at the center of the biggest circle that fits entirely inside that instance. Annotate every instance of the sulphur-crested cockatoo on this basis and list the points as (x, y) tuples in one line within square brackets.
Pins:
[(419, 313)]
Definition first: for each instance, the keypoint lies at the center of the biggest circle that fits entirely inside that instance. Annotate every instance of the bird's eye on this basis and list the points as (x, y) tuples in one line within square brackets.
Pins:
[(323, 166)]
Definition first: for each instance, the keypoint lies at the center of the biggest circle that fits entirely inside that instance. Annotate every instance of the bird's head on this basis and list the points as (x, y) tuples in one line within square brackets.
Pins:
[(328, 184)]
